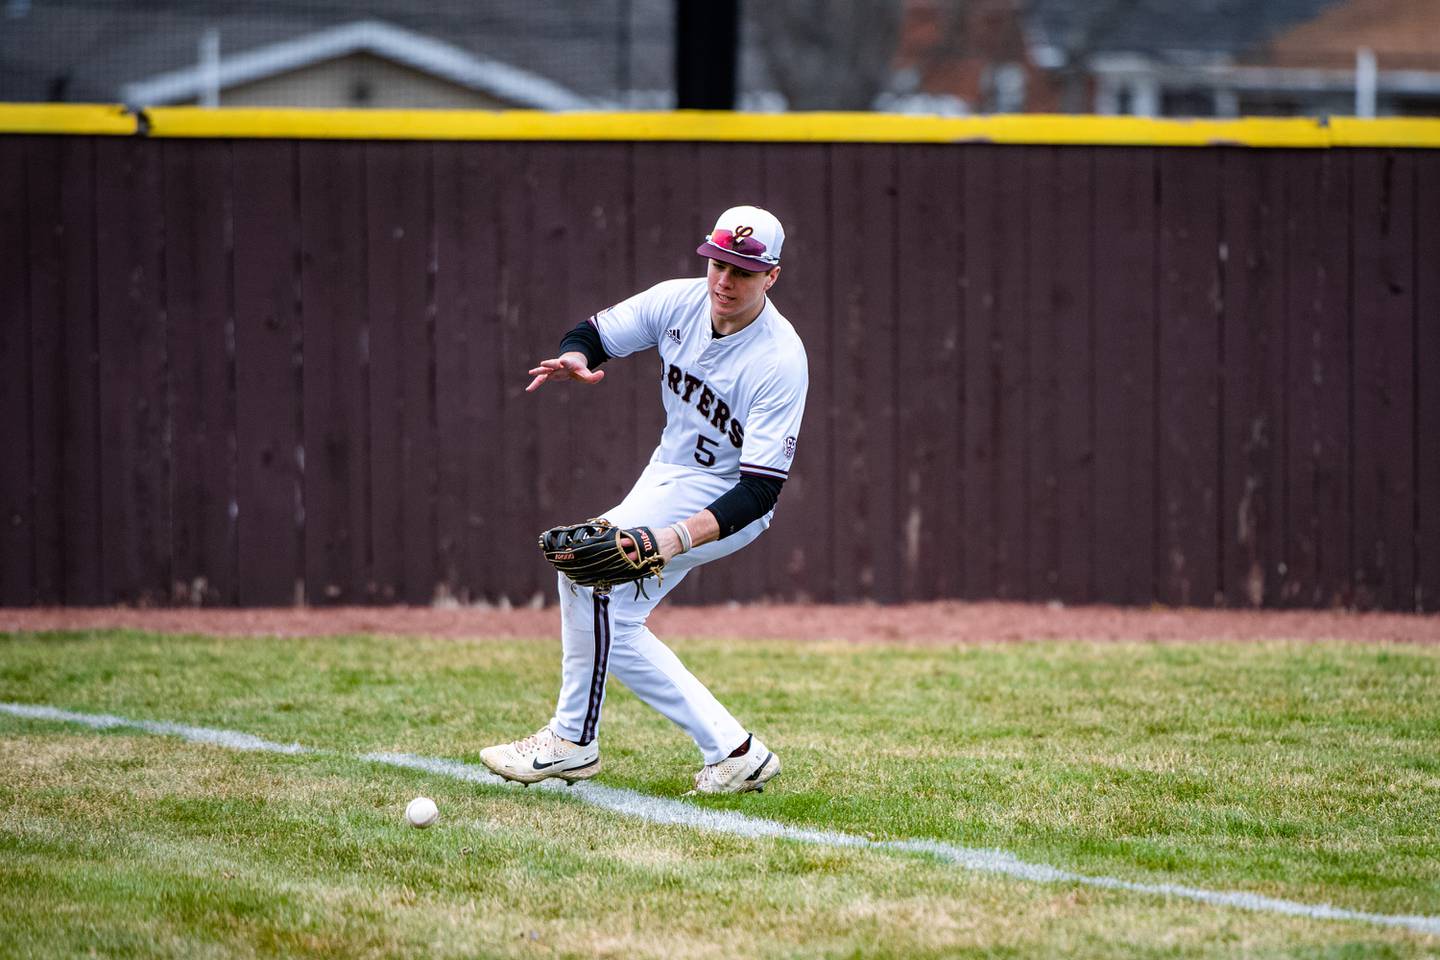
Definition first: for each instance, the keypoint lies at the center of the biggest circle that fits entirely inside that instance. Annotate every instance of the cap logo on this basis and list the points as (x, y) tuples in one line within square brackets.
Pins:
[(741, 240), (746, 237)]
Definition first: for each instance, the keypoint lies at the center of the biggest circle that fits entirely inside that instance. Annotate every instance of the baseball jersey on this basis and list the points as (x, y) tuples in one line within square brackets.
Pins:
[(733, 404)]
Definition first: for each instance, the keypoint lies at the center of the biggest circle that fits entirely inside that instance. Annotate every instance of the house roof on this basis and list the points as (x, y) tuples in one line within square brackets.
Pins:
[(89, 50), (1403, 34), (502, 81), (597, 51)]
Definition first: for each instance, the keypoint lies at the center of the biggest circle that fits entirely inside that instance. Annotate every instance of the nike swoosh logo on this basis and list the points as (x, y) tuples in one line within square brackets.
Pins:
[(760, 769), (544, 766)]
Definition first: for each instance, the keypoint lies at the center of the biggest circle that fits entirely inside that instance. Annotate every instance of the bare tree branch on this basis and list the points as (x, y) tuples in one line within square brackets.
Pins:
[(829, 56)]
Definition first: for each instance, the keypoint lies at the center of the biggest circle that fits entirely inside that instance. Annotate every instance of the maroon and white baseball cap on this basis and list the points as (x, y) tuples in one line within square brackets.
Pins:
[(745, 237)]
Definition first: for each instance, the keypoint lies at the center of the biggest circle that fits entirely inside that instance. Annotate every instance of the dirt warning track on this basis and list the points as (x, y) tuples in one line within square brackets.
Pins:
[(921, 623)]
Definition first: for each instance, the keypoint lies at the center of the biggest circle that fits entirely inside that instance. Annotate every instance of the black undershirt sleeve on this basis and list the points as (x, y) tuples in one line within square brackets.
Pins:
[(744, 503), (585, 339)]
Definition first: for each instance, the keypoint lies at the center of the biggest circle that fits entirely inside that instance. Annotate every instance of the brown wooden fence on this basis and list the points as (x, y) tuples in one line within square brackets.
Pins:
[(261, 371)]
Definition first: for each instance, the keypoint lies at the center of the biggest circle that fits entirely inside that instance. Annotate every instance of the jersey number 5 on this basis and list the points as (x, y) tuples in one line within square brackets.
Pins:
[(703, 454)]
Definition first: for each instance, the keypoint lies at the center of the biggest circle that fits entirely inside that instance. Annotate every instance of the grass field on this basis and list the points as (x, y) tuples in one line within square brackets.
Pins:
[(1308, 773)]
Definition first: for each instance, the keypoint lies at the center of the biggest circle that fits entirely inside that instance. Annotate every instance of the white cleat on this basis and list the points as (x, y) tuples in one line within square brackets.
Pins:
[(543, 755), (749, 771)]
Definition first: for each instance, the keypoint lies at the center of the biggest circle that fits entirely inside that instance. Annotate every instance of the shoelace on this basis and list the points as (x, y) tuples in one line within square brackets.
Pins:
[(530, 743)]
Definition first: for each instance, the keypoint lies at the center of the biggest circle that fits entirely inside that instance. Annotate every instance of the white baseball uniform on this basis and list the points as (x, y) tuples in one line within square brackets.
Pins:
[(733, 407)]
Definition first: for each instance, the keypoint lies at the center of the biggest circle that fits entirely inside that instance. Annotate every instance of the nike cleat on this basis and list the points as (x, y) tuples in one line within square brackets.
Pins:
[(543, 755), (749, 771)]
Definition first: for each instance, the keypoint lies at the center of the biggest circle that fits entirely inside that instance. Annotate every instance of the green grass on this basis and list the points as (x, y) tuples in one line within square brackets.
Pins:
[(1304, 772)]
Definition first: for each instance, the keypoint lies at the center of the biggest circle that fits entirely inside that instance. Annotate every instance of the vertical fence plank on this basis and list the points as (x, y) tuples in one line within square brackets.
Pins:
[(669, 218), (82, 471), (202, 413), (1075, 446), (866, 381), (389, 196), (1188, 350), (544, 307), (799, 563), (678, 191), (17, 506), (402, 442), (725, 175), (667, 224), (1045, 312), (731, 175), (1317, 284), (332, 297), (668, 210), (995, 363), (134, 372), (588, 192), (49, 355), (1383, 341), (528, 333), (1059, 409), (584, 242), (467, 372), (491, 373), (456, 414), (665, 216), (1253, 369), (929, 306), (421, 556), (1427, 381), (1124, 294), (542, 276), (269, 477)]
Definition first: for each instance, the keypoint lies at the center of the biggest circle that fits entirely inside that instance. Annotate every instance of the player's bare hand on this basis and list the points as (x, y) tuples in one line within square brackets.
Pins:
[(668, 542), (568, 366)]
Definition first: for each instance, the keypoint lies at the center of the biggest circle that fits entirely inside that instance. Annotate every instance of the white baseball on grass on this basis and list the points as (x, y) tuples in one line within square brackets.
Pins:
[(421, 812)]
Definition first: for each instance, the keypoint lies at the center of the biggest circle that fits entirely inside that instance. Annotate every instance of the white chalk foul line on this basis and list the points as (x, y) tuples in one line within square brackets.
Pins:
[(663, 811), (104, 721)]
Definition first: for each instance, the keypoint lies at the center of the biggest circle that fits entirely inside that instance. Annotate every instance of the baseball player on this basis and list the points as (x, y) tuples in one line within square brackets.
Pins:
[(733, 384)]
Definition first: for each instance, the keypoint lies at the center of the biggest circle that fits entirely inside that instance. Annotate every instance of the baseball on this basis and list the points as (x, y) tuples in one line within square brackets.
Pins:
[(421, 812)]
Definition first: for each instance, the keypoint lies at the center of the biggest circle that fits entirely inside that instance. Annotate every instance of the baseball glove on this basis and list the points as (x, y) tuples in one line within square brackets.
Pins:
[(590, 553)]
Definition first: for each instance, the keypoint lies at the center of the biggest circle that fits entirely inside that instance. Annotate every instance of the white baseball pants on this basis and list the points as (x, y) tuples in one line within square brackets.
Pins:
[(607, 635)]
